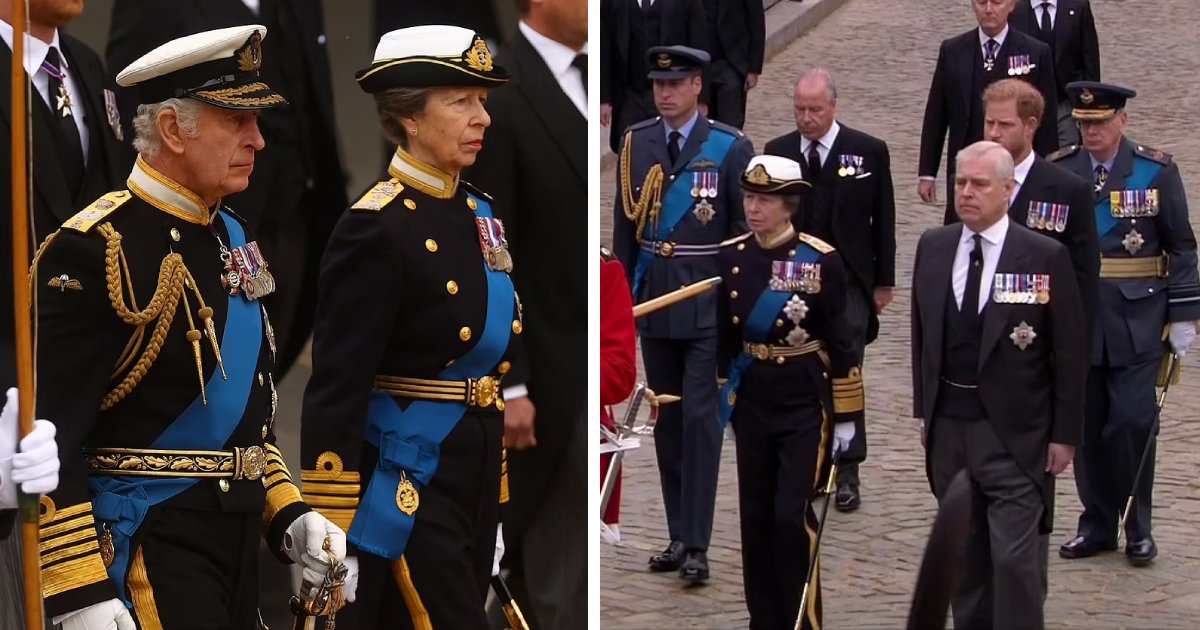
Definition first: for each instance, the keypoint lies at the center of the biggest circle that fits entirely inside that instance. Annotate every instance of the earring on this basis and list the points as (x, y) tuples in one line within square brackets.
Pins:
[(413, 131)]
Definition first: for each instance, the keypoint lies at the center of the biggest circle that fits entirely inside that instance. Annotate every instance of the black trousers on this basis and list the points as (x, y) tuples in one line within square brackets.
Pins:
[(1003, 584), (858, 312), (1118, 419), (442, 579), (780, 456), (687, 436)]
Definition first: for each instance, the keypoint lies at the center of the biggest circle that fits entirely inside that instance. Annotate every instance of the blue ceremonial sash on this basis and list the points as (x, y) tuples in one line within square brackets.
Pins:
[(758, 330), (1144, 172), (410, 440), (678, 201), (123, 501)]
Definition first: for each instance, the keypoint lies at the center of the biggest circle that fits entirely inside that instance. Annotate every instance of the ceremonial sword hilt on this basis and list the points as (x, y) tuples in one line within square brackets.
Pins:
[(326, 598)]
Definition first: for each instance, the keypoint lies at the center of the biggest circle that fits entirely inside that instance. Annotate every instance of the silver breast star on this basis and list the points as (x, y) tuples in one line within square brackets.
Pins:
[(795, 309), (797, 337)]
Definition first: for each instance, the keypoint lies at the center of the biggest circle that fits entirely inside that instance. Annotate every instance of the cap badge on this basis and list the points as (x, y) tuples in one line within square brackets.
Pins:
[(1086, 97), (250, 56), (758, 176), (664, 60), (478, 56)]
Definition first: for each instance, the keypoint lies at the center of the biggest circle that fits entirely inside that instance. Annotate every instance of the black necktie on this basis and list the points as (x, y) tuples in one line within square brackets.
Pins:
[(70, 148), (580, 62), (645, 5), (814, 163), (673, 146), (1047, 28), (989, 59), (1101, 177), (970, 303)]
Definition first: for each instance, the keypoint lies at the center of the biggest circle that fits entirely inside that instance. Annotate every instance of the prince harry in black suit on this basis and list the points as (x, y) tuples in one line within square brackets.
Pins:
[(850, 205), (999, 361)]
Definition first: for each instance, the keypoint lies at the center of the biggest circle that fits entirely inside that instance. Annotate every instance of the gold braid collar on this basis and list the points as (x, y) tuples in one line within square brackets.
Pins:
[(646, 207)]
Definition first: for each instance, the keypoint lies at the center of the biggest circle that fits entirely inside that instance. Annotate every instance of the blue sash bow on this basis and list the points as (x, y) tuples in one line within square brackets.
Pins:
[(678, 200), (123, 502), (1144, 172), (409, 440), (758, 330)]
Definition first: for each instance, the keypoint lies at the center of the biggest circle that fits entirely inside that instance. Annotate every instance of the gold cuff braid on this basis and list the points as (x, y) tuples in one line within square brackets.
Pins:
[(848, 396)]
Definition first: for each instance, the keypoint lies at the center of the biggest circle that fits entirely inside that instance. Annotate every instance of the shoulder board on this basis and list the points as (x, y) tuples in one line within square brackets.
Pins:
[(1063, 152), (474, 190), (737, 239), (649, 122), (379, 196), (606, 254), (729, 129), (815, 243), (1153, 154), (87, 218)]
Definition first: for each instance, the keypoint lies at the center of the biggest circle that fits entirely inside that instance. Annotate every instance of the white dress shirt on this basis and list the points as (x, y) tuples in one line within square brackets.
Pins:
[(824, 144), (35, 54), (1020, 172), (993, 242), (558, 58), (1037, 12), (1000, 37)]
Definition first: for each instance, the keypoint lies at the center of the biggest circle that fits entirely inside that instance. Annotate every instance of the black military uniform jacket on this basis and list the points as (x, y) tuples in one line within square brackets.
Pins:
[(112, 379), (815, 314), (1135, 304), (403, 294)]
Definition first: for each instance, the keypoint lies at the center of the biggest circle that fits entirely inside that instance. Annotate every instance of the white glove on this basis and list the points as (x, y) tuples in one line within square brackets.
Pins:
[(35, 466), (499, 549), (1181, 336), (351, 585), (303, 543), (843, 433), (109, 615)]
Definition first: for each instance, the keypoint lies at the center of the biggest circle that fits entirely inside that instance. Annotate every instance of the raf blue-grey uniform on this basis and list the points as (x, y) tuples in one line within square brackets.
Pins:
[(1148, 279), (679, 343)]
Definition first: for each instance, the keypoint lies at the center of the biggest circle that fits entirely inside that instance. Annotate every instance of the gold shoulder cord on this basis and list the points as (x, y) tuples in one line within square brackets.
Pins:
[(647, 205)]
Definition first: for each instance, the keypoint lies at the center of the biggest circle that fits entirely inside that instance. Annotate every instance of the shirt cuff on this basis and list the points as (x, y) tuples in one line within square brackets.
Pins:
[(515, 392), (927, 178)]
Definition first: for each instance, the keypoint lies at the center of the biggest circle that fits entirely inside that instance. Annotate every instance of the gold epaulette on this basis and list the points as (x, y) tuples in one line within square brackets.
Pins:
[(737, 239), (1063, 152), (72, 555), (848, 393), (85, 219), (1153, 154), (331, 490), (281, 492), (380, 195), (815, 243)]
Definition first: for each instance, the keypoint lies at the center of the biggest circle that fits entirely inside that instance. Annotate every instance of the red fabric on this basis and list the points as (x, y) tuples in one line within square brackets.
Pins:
[(618, 360)]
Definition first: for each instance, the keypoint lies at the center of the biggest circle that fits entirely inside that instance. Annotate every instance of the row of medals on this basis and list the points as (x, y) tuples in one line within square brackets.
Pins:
[(704, 187), (1006, 291)]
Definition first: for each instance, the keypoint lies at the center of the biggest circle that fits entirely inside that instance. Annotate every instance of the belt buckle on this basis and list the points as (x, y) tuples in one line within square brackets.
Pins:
[(252, 462), (483, 392), (760, 351), (666, 250)]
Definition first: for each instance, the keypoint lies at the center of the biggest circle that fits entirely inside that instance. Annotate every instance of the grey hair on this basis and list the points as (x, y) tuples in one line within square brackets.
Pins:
[(396, 103), (146, 139), (1004, 162), (824, 75)]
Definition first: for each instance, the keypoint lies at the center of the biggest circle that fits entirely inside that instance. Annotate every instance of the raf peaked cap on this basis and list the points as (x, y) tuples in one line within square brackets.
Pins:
[(774, 175), (216, 67), (1091, 100), (675, 62), (431, 56)]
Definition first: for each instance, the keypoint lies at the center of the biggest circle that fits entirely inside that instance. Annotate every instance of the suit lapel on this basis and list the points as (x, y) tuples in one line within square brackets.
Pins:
[(1012, 259), (1063, 26), (829, 172), (692, 146), (935, 287), (94, 112), (658, 145), (1025, 194), (547, 99), (1122, 169)]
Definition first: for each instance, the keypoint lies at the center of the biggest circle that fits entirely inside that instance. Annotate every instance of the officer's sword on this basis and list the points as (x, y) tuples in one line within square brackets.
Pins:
[(516, 620), (815, 553), (1172, 368), (678, 295), (624, 429)]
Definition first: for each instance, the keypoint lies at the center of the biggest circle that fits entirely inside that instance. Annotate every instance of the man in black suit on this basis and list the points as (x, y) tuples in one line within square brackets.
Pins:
[(737, 30), (998, 379), (1069, 28), (534, 164), (966, 65), (298, 189), (1048, 198), (851, 205), (628, 28)]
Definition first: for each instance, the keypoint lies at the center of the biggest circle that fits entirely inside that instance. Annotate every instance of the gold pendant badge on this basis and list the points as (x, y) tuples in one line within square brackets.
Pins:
[(407, 498), (107, 550)]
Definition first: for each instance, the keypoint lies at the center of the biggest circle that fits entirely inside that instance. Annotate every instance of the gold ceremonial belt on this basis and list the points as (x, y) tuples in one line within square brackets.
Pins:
[(483, 392), (241, 463), (1128, 268), (766, 352)]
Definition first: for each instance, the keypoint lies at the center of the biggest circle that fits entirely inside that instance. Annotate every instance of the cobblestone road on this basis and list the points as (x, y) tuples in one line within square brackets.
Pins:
[(882, 54)]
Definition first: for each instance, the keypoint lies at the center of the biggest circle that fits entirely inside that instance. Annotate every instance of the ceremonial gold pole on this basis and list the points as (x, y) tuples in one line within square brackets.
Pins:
[(678, 295), (815, 552), (30, 556)]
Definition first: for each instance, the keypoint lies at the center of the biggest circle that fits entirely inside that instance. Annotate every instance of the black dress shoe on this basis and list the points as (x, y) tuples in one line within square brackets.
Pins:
[(695, 567), (670, 559), (1141, 552), (847, 499), (1084, 547)]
